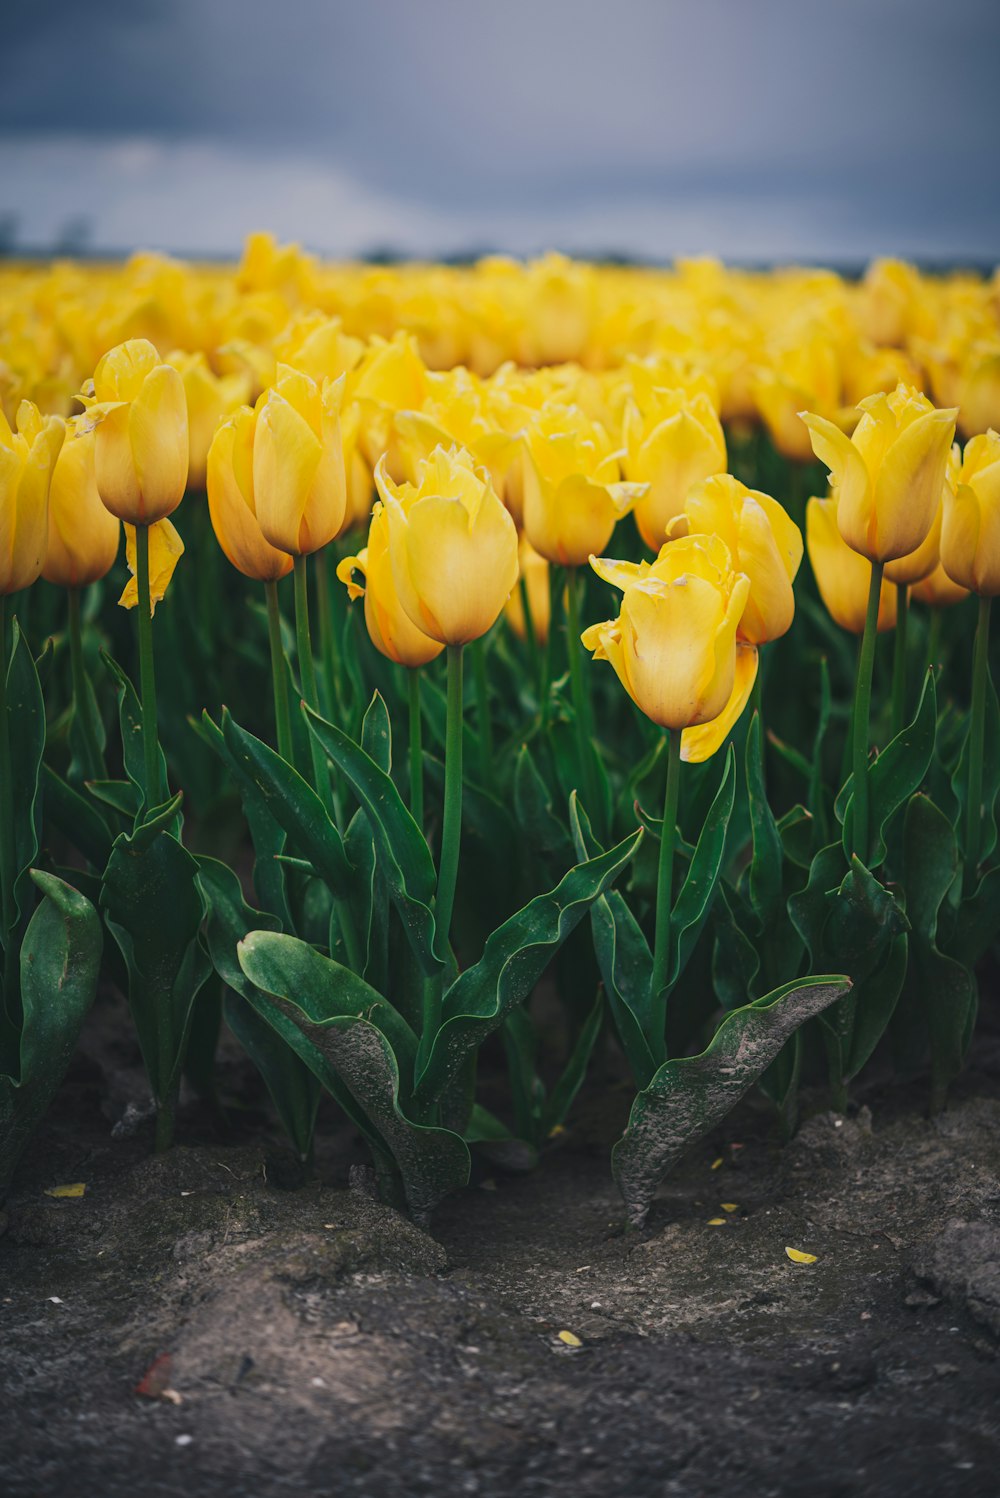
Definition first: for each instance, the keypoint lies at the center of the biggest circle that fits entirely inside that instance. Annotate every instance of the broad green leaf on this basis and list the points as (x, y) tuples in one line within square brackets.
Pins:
[(154, 908), (294, 1090), (695, 899), (515, 956), (977, 924), (798, 833), (60, 960), (404, 856), (736, 955), (691, 1094), (539, 825), (765, 872), (76, 818), (26, 720), (896, 773), (376, 733), (130, 721), (497, 1144), (292, 803)]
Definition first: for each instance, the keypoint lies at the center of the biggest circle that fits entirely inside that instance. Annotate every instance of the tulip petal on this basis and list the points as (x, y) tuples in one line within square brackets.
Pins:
[(702, 741), (158, 436), (165, 550), (286, 456), (849, 478), (910, 485)]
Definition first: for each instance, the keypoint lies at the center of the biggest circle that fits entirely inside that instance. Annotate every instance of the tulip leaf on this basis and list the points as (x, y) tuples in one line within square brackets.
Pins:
[(294, 1090), (26, 728), (292, 803), (376, 733), (154, 909), (798, 832), (562, 1096), (539, 825), (991, 774), (76, 818), (121, 795), (130, 722), (977, 925), (695, 899), (407, 866), (896, 773), (689, 1095), (514, 958), (341, 1027), (60, 960), (765, 871), (941, 989)]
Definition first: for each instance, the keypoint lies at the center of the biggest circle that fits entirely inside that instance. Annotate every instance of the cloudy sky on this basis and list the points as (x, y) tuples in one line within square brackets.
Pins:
[(754, 129)]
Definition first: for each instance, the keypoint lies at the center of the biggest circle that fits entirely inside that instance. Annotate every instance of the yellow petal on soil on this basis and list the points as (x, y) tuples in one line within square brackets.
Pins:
[(798, 1257), (730, 1206), (717, 1163), (570, 1339), (75, 1190), (716, 1222)]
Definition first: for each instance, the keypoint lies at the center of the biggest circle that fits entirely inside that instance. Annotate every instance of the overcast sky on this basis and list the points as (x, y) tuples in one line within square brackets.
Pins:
[(755, 129)]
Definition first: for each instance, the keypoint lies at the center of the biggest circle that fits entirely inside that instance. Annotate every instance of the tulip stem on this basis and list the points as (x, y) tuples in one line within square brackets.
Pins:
[(977, 737), (578, 686), (279, 674), (327, 634), (934, 638), (899, 659), (93, 767), (307, 682), (416, 749), (7, 870), (483, 711), (530, 638), (862, 714), (451, 828), (665, 875), (147, 673)]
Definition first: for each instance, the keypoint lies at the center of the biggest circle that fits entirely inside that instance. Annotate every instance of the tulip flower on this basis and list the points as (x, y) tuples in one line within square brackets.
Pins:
[(670, 447), (210, 397), (842, 575), (763, 541), (299, 482), (83, 535), (27, 460), (573, 497), (938, 591), (141, 453), (453, 547), (392, 631), (231, 501)]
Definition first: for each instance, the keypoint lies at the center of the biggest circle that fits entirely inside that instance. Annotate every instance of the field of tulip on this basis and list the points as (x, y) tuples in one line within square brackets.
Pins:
[(513, 660)]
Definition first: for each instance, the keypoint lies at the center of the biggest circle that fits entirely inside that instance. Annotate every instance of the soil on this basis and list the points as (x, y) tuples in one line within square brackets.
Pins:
[(201, 1323)]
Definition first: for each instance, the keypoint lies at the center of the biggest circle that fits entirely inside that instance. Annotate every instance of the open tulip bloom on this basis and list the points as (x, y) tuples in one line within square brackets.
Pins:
[(760, 845)]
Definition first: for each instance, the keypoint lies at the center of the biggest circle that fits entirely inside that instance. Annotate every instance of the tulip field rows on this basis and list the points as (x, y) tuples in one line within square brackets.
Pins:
[(614, 638)]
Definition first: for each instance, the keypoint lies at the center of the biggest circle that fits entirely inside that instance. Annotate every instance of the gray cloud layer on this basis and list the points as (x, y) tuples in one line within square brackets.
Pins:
[(858, 125)]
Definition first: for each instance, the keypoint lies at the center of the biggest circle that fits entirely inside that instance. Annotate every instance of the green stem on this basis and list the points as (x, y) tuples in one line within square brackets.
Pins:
[(578, 687), (548, 654), (899, 659), (862, 714), (416, 749), (665, 876), (7, 870), (530, 638), (93, 767), (279, 674), (327, 634), (451, 828), (147, 674), (977, 737), (307, 680), (483, 722)]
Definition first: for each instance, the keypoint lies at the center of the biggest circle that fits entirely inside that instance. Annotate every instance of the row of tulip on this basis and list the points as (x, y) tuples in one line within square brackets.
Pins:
[(777, 943)]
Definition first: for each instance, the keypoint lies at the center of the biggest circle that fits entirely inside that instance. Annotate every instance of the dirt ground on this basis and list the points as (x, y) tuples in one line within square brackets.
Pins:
[(310, 1341)]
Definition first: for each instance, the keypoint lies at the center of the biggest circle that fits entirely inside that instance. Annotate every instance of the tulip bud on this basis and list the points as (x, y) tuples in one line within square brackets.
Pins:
[(299, 482), (390, 628), (230, 471), (141, 453), (888, 476), (970, 534), (453, 547), (843, 576), (572, 497), (83, 535), (764, 543), (672, 446), (673, 645), (534, 572), (27, 458)]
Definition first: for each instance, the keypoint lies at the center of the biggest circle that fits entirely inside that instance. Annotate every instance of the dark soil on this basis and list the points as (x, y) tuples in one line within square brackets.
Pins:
[(311, 1341)]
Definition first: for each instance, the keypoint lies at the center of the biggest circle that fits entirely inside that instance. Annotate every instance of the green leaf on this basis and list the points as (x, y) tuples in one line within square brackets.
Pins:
[(121, 795), (292, 803), (404, 856), (515, 956), (154, 908), (539, 825), (76, 818), (561, 1098), (349, 1052), (765, 872), (294, 1090), (695, 899), (797, 830), (691, 1094), (376, 733), (896, 773), (60, 961), (977, 924), (130, 722), (26, 718), (991, 773)]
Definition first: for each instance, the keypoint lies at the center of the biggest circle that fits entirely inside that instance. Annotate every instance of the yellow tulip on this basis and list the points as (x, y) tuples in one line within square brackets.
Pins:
[(888, 477), (534, 570), (843, 575), (805, 372), (764, 543), (453, 547), (670, 447), (937, 589), (27, 458), (231, 501), (911, 569), (210, 397), (673, 645), (83, 535), (299, 481), (978, 394), (572, 495), (141, 455), (391, 629), (165, 550), (970, 535)]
